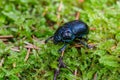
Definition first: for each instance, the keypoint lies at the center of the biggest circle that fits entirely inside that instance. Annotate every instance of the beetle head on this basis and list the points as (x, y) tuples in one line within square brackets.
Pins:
[(56, 39)]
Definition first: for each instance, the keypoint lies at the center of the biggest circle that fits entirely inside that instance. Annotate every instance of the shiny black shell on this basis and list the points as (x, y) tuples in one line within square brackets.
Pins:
[(68, 32)]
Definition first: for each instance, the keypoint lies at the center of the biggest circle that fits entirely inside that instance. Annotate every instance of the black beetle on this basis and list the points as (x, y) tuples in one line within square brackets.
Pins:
[(69, 32)]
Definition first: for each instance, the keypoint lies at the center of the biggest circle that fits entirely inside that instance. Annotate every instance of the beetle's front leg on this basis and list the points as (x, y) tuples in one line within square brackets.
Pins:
[(62, 49), (48, 39)]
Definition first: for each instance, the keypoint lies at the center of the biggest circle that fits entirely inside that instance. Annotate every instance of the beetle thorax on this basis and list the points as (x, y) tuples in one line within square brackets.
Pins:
[(67, 35)]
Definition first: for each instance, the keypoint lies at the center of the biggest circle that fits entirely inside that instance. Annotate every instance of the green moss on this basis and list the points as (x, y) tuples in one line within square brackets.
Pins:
[(32, 21)]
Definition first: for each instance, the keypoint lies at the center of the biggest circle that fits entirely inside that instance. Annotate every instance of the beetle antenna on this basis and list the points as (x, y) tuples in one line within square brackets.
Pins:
[(50, 38)]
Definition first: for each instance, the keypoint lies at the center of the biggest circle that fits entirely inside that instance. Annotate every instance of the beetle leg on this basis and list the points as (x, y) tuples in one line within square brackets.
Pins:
[(83, 43), (86, 38), (56, 73), (62, 49), (62, 64), (48, 39)]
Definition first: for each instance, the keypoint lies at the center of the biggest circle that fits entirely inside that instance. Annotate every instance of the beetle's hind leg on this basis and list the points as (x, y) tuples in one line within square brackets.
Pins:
[(62, 49), (85, 38), (83, 43), (50, 38)]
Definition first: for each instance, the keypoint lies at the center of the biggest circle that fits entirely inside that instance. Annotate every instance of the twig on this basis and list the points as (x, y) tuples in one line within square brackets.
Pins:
[(29, 45), (45, 12), (92, 29), (15, 49), (59, 10), (18, 74), (75, 73), (14, 64), (95, 76), (27, 55), (81, 1), (113, 48), (77, 16), (6, 37), (1, 62), (4, 40), (60, 6)]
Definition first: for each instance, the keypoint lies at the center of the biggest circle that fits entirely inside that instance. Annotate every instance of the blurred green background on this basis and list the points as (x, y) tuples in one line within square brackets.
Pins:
[(24, 56)]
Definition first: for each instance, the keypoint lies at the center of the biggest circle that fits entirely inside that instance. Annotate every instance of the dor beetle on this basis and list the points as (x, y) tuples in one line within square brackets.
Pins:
[(69, 32)]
